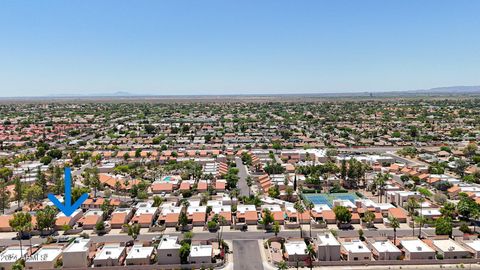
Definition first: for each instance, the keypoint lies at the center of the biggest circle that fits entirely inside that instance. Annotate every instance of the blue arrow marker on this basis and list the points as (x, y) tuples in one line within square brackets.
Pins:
[(68, 208)]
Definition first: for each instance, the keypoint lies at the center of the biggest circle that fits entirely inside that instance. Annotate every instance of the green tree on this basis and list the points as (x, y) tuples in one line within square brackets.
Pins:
[(282, 265), (300, 210), (249, 183), (6, 173), (42, 182), (395, 224), (267, 218), (21, 223), (18, 189), (32, 195), (19, 265), (443, 226), (133, 231), (470, 150), (157, 201), (4, 195), (369, 217), (460, 166), (309, 206), (342, 214), (95, 180), (184, 252), (466, 205), (276, 228), (448, 210), (411, 206), (46, 218), (380, 182), (100, 226), (310, 251), (183, 219)]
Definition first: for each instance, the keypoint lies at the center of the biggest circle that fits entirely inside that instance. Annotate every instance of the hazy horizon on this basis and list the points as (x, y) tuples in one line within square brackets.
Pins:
[(217, 47)]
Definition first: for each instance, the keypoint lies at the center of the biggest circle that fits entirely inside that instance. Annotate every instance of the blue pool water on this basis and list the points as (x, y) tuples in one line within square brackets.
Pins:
[(327, 199)]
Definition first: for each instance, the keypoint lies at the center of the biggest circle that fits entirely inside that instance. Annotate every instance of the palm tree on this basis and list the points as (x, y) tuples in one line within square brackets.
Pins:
[(311, 253), (411, 206), (183, 218), (421, 220), (249, 184), (395, 224), (300, 210), (95, 181), (21, 222), (309, 206), (222, 221), (18, 191), (380, 182), (234, 193)]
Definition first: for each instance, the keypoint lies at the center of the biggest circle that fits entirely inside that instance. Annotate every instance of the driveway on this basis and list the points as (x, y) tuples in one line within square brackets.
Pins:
[(246, 255)]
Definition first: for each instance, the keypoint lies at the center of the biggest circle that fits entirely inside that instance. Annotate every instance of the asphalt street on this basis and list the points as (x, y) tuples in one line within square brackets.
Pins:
[(242, 174), (239, 235), (246, 255)]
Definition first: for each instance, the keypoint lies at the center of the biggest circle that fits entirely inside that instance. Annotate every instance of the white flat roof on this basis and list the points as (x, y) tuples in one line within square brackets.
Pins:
[(194, 203), (139, 252), (61, 214), (272, 207), (356, 246), (146, 210), (346, 203), (296, 247), (12, 254), (430, 212), (92, 212), (214, 203), (171, 210), (201, 251), (473, 244), (385, 246), (242, 208), (122, 210), (196, 209), (168, 242), (416, 245), (321, 207), (327, 239), (45, 254), (110, 251), (79, 244), (144, 204), (447, 245), (221, 208), (290, 209)]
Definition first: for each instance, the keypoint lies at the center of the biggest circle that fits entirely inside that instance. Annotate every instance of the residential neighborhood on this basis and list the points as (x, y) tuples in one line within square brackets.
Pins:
[(176, 186)]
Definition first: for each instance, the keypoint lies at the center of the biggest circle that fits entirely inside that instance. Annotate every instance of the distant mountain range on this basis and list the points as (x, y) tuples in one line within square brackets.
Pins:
[(438, 91)]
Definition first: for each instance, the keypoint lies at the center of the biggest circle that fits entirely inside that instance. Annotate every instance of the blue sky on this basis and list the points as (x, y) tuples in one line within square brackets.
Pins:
[(236, 47)]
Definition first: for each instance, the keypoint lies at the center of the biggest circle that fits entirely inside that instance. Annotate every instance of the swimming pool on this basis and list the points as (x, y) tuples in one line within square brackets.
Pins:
[(324, 198), (167, 179)]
